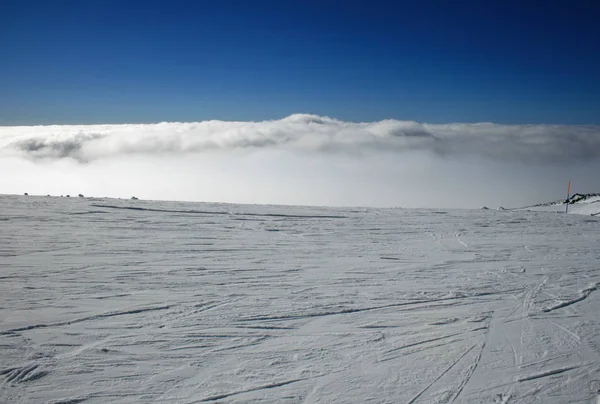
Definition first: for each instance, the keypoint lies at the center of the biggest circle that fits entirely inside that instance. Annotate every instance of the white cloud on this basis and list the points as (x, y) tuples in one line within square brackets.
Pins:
[(305, 133), (304, 159)]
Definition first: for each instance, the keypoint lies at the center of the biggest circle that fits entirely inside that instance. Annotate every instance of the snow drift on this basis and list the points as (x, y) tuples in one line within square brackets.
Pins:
[(582, 204)]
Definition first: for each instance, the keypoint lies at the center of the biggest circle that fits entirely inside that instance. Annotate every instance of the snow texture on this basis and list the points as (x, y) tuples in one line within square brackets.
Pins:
[(129, 301), (581, 204)]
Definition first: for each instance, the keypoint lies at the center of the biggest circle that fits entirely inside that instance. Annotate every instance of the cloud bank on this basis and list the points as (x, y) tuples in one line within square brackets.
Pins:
[(305, 133), (305, 159)]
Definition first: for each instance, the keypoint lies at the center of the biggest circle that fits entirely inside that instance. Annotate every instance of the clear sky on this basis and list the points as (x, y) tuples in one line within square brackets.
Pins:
[(83, 62)]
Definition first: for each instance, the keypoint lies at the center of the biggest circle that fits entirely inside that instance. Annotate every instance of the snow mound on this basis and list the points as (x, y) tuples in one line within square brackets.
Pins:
[(582, 204)]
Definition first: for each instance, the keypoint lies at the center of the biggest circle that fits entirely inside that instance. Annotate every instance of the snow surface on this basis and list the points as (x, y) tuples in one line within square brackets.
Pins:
[(581, 204), (105, 300)]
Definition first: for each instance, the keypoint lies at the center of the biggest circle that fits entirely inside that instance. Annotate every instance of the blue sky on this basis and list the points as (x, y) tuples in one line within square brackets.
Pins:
[(79, 62)]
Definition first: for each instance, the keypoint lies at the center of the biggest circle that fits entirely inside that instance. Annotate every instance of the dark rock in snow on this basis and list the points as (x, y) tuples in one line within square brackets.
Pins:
[(26, 194), (80, 195), (133, 198)]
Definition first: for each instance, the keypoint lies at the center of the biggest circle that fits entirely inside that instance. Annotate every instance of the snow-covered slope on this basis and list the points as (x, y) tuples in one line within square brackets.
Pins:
[(135, 301), (582, 204)]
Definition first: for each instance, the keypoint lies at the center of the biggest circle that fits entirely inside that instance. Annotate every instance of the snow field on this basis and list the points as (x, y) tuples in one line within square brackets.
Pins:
[(104, 300)]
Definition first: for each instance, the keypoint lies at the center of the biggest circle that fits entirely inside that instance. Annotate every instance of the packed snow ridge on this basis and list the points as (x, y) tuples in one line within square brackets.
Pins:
[(575, 198), (584, 204), (134, 301)]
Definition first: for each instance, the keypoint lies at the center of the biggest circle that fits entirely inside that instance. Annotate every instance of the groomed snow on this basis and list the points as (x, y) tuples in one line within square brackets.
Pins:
[(120, 301)]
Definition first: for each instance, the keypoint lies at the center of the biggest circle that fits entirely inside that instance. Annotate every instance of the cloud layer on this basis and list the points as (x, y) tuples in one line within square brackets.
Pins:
[(305, 133), (305, 159)]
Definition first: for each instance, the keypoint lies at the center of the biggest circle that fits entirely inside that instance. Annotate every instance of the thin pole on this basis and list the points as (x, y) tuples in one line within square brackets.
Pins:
[(568, 196)]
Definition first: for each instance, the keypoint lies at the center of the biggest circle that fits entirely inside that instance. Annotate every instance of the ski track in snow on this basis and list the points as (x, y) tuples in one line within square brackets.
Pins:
[(137, 301)]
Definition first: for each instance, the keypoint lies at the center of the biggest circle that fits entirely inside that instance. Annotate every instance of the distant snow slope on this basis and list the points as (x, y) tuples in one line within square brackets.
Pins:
[(134, 301), (582, 204)]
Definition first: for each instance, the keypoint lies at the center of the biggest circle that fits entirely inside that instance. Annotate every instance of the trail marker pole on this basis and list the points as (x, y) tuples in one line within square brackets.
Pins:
[(568, 196)]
